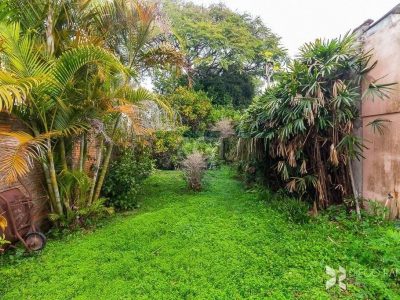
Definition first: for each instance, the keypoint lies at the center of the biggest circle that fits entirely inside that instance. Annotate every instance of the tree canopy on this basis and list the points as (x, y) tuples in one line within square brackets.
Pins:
[(223, 49)]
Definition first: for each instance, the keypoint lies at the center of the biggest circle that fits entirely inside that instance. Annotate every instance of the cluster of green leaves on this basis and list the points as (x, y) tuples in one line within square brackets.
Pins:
[(303, 125), (193, 109), (225, 51), (166, 147), (124, 179), (237, 244)]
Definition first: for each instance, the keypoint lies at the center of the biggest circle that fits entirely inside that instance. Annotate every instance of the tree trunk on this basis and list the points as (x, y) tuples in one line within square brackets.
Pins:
[(322, 189), (96, 172), (53, 179), (63, 155), (49, 31), (46, 172), (355, 192), (106, 162), (222, 149), (103, 173)]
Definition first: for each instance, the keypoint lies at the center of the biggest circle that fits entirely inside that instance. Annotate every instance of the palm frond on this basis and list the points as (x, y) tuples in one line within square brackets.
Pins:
[(73, 60), (378, 125), (22, 150)]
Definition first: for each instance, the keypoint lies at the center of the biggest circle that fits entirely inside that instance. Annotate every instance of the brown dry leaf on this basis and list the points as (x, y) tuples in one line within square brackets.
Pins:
[(333, 156)]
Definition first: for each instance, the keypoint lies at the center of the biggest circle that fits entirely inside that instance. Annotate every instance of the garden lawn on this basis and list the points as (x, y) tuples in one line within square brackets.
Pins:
[(222, 243)]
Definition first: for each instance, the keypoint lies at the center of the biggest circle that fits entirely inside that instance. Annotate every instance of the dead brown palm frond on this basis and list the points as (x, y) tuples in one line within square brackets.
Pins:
[(338, 87), (291, 186), (292, 159), (22, 150), (303, 168), (333, 156)]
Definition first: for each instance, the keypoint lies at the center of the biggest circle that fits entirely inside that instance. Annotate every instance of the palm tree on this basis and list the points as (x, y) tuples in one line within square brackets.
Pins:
[(302, 127), (61, 74), (43, 108)]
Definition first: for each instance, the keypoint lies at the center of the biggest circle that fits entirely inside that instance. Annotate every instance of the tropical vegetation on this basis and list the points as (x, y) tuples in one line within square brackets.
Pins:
[(301, 131), (233, 178), (69, 72)]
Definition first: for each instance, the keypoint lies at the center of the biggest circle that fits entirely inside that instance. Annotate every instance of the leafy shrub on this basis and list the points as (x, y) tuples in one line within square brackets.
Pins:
[(226, 112), (193, 168), (166, 147), (194, 109), (126, 174)]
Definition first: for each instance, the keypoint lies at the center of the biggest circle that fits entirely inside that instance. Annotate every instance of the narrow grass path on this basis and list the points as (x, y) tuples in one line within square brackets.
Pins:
[(222, 243)]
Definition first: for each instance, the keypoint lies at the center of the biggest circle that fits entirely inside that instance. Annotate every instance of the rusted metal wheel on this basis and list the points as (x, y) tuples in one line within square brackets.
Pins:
[(35, 241)]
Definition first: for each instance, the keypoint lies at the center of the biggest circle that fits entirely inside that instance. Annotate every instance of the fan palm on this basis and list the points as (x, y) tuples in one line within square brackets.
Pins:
[(303, 126)]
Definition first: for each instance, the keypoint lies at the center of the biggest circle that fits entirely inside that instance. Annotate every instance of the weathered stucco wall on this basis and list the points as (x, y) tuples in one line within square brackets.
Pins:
[(381, 166)]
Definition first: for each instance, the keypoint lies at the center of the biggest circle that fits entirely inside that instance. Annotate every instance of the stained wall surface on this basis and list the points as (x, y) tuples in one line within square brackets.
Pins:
[(381, 166)]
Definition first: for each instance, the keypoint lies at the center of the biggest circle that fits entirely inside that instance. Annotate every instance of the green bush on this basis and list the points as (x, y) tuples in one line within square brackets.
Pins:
[(166, 147), (125, 176), (194, 109)]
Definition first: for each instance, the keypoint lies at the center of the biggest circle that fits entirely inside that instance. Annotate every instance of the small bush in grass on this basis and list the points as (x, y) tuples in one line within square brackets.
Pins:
[(193, 168)]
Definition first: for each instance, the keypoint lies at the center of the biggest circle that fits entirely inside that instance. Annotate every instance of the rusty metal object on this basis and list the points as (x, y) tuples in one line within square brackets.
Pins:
[(16, 208)]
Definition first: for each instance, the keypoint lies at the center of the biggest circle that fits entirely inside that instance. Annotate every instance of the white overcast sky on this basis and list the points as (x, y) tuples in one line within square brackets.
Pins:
[(300, 21)]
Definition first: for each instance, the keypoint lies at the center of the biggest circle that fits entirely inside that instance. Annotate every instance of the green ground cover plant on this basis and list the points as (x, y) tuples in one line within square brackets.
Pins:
[(222, 243)]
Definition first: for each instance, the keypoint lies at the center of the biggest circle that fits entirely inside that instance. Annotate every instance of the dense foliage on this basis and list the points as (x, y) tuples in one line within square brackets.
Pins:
[(193, 109), (225, 51), (166, 146), (68, 71), (301, 130), (124, 179)]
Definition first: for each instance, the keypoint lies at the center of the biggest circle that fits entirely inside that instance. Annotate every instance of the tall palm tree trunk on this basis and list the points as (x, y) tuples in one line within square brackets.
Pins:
[(106, 162), (96, 172), (46, 172), (53, 179), (63, 155)]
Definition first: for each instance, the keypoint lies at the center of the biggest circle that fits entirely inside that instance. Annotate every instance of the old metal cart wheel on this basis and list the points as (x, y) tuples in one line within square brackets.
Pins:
[(35, 241)]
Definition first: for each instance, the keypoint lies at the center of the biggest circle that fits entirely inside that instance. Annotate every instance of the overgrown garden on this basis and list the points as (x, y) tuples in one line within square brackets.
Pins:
[(264, 143)]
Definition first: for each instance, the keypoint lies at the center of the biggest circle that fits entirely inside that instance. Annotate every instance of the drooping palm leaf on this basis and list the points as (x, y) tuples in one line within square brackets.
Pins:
[(22, 150)]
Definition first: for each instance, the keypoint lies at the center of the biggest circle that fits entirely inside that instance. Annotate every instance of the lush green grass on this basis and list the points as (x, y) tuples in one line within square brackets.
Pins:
[(223, 243)]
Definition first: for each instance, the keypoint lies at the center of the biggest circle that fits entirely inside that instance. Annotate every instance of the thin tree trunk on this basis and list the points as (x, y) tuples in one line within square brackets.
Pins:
[(355, 192), (106, 162), (222, 149), (46, 172), (63, 155), (53, 179), (322, 178), (49, 186), (81, 153), (96, 172), (49, 30)]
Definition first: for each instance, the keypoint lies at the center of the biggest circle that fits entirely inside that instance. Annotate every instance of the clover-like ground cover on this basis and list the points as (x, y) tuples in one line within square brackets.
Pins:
[(221, 243)]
